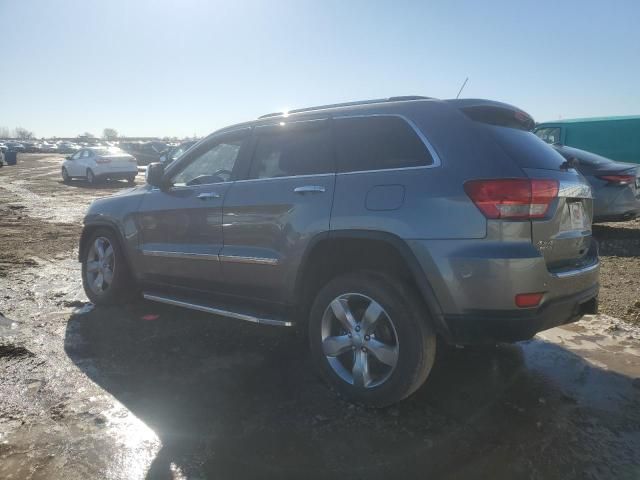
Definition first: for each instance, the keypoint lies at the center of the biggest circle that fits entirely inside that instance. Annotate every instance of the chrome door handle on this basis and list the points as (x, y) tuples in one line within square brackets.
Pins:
[(209, 195), (309, 189)]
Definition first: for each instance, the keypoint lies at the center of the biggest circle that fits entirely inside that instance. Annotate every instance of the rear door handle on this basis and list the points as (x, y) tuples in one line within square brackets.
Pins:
[(208, 195), (309, 189)]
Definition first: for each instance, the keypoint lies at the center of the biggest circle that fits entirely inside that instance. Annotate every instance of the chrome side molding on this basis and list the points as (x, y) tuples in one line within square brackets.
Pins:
[(217, 311)]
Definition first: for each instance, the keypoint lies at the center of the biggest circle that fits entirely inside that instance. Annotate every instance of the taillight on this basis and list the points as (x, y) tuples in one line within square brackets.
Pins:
[(618, 179), (512, 198), (103, 160)]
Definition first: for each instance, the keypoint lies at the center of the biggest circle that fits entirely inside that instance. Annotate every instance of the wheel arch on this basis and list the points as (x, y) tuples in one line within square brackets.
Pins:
[(365, 249), (90, 228)]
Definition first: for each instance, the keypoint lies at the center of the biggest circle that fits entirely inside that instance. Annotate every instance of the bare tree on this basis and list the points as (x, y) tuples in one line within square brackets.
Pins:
[(23, 133), (110, 134), (5, 132)]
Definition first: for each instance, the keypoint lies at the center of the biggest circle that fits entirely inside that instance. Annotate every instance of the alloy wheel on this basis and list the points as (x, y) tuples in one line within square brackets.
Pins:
[(359, 340), (100, 265)]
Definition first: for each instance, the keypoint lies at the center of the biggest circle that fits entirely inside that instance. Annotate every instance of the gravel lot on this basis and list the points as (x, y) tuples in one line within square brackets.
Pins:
[(101, 393)]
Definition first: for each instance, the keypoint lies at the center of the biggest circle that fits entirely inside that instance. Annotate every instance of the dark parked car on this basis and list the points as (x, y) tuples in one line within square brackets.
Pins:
[(147, 152), (616, 185), (375, 226), (176, 152), (15, 147)]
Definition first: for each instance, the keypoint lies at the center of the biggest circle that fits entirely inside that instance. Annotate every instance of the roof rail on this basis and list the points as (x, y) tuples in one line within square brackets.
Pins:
[(348, 104)]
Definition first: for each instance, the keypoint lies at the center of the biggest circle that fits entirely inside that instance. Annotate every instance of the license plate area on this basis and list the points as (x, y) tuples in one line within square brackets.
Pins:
[(576, 215)]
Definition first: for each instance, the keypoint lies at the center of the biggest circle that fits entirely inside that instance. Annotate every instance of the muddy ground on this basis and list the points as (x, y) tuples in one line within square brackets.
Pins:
[(102, 393)]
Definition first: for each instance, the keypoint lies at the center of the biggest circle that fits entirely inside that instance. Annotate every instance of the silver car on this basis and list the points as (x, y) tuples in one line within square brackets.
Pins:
[(376, 227), (616, 185)]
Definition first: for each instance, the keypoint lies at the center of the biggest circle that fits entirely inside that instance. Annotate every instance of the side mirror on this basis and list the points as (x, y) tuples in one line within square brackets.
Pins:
[(155, 174)]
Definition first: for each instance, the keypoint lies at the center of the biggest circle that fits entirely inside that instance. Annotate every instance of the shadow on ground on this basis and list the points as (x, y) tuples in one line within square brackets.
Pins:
[(233, 400), (103, 184)]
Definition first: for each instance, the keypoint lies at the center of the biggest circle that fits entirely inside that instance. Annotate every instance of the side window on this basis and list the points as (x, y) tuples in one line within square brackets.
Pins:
[(549, 135), (378, 143), (85, 154), (76, 155), (300, 148), (213, 165)]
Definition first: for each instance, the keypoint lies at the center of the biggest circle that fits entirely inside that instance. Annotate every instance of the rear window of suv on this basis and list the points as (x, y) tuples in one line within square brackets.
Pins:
[(378, 143), (512, 131)]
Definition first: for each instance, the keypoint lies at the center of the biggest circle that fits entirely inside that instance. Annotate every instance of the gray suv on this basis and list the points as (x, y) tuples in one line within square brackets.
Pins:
[(382, 228)]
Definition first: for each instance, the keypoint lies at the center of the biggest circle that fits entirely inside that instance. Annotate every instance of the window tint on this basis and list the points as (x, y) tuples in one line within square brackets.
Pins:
[(376, 143), (211, 166), (293, 149), (526, 149)]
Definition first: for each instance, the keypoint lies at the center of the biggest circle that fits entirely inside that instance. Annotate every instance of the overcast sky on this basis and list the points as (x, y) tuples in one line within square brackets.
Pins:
[(179, 67)]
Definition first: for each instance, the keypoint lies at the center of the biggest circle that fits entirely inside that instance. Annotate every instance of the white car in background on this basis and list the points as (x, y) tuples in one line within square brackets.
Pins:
[(100, 163)]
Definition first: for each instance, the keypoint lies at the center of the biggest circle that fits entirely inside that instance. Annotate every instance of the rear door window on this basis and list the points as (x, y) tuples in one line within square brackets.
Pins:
[(298, 148), (378, 143)]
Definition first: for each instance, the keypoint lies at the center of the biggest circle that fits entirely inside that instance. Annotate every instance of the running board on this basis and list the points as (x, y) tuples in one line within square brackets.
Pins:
[(217, 311)]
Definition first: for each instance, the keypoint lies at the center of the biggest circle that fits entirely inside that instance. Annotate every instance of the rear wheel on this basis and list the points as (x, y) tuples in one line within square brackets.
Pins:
[(65, 175), (370, 338), (91, 178), (105, 274), (131, 179)]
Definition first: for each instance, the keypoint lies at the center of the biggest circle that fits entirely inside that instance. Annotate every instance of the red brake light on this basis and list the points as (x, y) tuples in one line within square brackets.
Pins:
[(619, 179), (526, 300), (512, 198)]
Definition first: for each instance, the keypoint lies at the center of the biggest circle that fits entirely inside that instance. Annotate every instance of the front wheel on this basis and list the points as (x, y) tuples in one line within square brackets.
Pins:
[(105, 274), (131, 180), (370, 338), (91, 177), (65, 175)]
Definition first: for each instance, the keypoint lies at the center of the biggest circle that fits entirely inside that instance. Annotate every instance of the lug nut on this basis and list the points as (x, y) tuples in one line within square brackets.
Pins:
[(349, 334), (366, 337), (364, 349), (357, 328)]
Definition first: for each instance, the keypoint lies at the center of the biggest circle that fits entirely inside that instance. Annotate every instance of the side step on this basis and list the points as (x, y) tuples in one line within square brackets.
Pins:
[(247, 317)]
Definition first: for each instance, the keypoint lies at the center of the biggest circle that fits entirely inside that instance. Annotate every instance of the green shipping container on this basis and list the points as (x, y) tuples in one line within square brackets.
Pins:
[(617, 138)]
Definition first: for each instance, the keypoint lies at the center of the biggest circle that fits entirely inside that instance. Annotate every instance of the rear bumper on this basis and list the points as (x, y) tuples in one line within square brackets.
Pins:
[(516, 325)]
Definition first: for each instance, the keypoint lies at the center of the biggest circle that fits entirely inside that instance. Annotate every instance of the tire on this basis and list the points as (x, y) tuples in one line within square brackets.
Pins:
[(131, 180), (402, 335), (65, 175), (91, 177), (115, 287)]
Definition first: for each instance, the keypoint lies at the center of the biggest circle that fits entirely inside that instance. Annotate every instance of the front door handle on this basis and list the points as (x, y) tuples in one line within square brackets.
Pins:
[(208, 195), (309, 189)]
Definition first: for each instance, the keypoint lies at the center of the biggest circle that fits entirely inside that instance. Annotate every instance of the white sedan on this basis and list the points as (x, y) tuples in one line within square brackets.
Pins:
[(99, 163)]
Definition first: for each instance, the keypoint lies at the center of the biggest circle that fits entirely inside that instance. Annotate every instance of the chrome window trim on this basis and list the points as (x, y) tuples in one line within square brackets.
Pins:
[(437, 162), (250, 260), (577, 271), (311, 175), (184, 255)]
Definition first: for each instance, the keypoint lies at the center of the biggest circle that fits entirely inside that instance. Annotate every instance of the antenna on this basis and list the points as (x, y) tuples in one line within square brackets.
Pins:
[(463, 84)]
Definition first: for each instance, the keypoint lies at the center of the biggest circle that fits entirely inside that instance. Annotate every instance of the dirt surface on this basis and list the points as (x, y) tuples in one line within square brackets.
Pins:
[(620, 273), (93, 393)]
